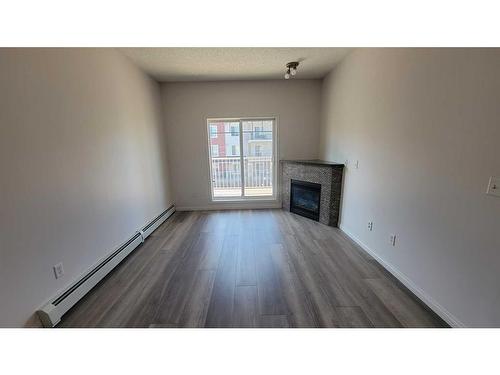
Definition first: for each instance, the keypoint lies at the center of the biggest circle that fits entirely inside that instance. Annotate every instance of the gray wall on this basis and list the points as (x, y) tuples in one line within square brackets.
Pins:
[(83, 165), (425, 126), (188, 105)]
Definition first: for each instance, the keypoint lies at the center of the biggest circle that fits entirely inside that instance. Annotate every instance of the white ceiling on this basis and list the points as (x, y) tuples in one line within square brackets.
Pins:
[(212, 64)]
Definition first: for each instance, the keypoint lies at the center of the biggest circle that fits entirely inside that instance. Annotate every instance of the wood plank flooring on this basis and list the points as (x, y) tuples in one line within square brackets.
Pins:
[(249, 268)]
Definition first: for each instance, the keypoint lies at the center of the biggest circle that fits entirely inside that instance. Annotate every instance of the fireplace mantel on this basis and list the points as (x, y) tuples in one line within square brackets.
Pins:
[(314, 162), (328, 174)]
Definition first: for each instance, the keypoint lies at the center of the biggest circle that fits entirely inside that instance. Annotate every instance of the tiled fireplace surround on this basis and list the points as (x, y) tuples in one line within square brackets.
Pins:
[(328, 174)]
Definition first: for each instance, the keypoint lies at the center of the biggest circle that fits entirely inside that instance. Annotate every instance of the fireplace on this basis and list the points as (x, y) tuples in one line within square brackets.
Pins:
[(324, 173), (305, 198)]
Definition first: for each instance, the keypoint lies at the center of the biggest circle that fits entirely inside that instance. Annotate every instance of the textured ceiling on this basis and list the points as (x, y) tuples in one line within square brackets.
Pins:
[(210, 64)]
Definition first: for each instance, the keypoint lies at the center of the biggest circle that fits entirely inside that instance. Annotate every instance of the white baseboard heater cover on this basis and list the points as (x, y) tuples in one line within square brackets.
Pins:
[(51, 313)]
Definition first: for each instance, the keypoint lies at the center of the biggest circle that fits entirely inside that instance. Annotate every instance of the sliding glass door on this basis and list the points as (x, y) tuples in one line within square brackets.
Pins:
[(242, 158)]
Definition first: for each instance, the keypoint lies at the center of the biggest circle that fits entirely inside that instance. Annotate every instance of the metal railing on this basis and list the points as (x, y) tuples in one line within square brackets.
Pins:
[(226, 172)]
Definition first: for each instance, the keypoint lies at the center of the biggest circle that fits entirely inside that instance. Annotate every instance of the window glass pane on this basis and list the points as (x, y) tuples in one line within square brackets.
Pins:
[(258, 157), (225, 159)]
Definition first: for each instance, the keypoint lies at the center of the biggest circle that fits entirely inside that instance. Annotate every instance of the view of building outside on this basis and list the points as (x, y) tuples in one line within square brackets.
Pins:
[(257, 138)]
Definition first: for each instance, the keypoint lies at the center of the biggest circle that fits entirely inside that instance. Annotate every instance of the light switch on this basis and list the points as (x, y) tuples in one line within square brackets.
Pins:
[(494, 186)]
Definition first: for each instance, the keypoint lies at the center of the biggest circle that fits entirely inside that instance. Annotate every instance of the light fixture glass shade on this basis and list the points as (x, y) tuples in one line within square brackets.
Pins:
[(287, 75), (293, 71)]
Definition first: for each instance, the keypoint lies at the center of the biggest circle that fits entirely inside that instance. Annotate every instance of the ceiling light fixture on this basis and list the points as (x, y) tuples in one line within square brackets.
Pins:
[(291, 69)]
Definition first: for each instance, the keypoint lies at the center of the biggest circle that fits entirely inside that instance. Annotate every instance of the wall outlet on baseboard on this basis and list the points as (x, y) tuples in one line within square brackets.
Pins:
[(392, 239), (58, 270), (370, 226)]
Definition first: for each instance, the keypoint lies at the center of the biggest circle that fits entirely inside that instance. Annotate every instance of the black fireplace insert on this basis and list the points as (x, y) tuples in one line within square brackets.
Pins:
[(305, 198)]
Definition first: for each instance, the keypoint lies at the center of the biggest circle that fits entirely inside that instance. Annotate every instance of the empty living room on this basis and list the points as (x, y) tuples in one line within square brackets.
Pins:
[(238, 197)]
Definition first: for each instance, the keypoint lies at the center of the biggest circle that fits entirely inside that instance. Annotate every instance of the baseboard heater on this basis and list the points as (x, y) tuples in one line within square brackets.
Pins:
[(51, 313)]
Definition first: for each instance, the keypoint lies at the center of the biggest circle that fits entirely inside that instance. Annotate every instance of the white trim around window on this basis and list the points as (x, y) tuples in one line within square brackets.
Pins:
[(242, 197)]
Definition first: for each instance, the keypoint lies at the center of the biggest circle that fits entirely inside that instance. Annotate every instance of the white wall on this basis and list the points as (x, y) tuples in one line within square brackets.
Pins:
[(82, 162), (425, 127), (188, 105)]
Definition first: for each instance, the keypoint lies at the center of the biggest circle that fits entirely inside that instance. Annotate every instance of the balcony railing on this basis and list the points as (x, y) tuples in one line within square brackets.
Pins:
[(226, 176)]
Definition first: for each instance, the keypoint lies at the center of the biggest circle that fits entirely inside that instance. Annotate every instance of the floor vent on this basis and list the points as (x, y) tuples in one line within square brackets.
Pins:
[(51, 313)]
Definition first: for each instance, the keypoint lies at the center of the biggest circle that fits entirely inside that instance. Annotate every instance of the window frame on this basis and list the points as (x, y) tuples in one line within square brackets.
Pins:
[(275, 170)]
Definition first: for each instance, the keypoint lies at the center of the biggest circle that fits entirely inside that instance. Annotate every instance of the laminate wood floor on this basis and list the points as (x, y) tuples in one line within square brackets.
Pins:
[(249, 268)]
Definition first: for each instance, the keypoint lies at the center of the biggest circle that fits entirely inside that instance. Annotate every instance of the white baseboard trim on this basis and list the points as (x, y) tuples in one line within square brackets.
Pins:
[(430, 302), (231, 206)]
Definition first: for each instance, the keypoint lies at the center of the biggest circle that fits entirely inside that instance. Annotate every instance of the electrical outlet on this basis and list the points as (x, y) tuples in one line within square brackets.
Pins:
[(58, 270), (392, 239), (370, 226), (494, 186)]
